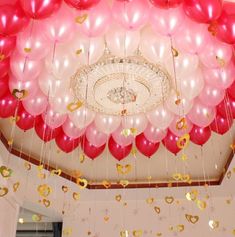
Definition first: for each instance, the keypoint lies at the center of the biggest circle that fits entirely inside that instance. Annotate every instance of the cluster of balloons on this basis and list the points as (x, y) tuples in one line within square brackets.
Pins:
[(43, 42)]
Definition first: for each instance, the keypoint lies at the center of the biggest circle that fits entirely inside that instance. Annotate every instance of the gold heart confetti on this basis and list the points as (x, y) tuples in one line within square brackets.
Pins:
[(157, 210), (183, 141), (174, 52), (46, 203), (3, 191), (74, 106), (76, 196), (134, 151), (123, 169), (77, 174), (124, 233), (213, 224), (19, 94), (36, 217), (191, 219), (81, 19), (106, 184), (184, 157), (78, 51), (81, 158), (5, 172), (150, 200), (27, 50), (169, 199), (27, 166), (186, 178), (192, 196), (181, 124), (41, 175), (82, 183), (124, 183), (65, 189), (137, 233), (106, 218), (16, 186), (177, 176), (232, 146), (180, 228), (201, 204), (56, 172), (118, 197), (44, 190)]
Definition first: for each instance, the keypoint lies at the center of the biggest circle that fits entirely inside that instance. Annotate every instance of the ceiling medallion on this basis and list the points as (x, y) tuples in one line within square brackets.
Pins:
[(113, 84)]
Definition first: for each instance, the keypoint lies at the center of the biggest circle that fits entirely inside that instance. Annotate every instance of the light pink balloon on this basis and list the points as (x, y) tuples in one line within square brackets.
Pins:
[(120, 139), (107, 123), (221, 78), (166, 22), (52, 118), (32, 43), (211, 96), (201, 115), (180, 132), (98, 20), (131, 14), (36, 104), (95, 137), (23, 68), (192, 37), (215, 53), (160, 117), (71, 130), (154, 134), (60, 26)]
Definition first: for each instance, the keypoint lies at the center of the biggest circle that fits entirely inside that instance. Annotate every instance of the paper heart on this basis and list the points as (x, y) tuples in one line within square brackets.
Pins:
[(124, 183), (27, 166), (56, 172), (192, 219), (201, 204), (177, 176), (46, 202), (19, 94), (137, 233), (65, 189), (123, 169), (82, 183), (44, 190), (213, 224), (186, 178), (16, 186), (150, 200), (5, 172), (106, 184), (106, 218), (36, 218), (81, 19), (118, 197), (74, 106), (76, 196), (180, 228), (183, 141), (124, 233), (181, 124), (3, 191), (192, 196), (157, 210), (169, 199)]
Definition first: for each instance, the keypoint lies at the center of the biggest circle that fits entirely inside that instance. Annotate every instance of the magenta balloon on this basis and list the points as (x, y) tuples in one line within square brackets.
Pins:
[(227, 108), (170, 142), (211, 96), (203, 11), (154, 134), (39, 9), (4, 67), (166, 3), (7, 45), (132, 15), (200, 135), (221, 125), (146, 147), (71, 130), (82, 4), (4, 86), (120, 139), (178, 123), (8, 105), (231, 90)]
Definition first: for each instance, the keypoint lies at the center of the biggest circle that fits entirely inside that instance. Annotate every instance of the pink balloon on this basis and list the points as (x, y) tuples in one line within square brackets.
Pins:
[(221, 78), (97, 21), (23, 68), (71, 130), (170, 142), (178, 123), (201, 115), (200, 135), (52, 118), (121, 139), (154, 134), (95, 137), (211, 96), (166, 3), (4, 86), (132, 14), (37, 104), (166, 22)]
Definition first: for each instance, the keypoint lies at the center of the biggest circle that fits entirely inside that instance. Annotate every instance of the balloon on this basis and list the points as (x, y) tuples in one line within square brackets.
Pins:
[(29, 86), (221, 78), (166, 3), (52, 118), (4, 85), (37, 104), (23, 68), (121, 42), (160, 117), (65, 143), (8, 105), (7, 45), (95, 137), (71, 130), (221, 125), (211, 96), (82, 4), (132, 15), (12, 19), (39, 9), (200, 135), (154, 134), (138, 122), (146, 147), (118, 152), (59, 28), (86, 50), (26, 121), (203, 11), (180, 126), (231, 90), (97, 22), (91, 151), (4, 67), (201, 115), (166, 22), (170, 142), (82, 117), (227, 108), (192, 37), (45, 132), (107, 123), (31, 43), (216, 54), (155, 47), (121, 139)]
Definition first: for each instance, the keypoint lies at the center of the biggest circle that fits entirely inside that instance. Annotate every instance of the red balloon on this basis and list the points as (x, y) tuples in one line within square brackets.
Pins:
[(44, 131), (166, 3), (82, 4), (227, 107), (4, 67), (66, 143), (39, 9), (221, 125), (7, 45), (146, 147), (231, 90), (8, 105), (200, 135), (170, 142), (203, 11), (4, 86), (119, 152), (12, 19), (90, 150)]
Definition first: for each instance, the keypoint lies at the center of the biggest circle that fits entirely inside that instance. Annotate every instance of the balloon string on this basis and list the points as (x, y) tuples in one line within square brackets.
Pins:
[(53, 53)]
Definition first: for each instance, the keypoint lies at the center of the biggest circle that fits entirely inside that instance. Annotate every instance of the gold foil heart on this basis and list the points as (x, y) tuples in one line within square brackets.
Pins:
[(82, 183), (220, 61), (183, 141), (74, 106), (81, 19), (106, 184), (67, 231), (65, 189), (44, 190), (150, 200), (78, 51), (124, 183), (16, 186), (76, 196), (157, 210), (186, 178), (169, 199), (201, 204), (177, 176), (36, 217), (229, 174), (213, 224), (56, 172), (81, 158), (106, 218), (192, 196), (10, 142), (137, 233), (27, 50), (181, 124), (46, 203), (5, 172), (3, 191), (174, 52), (123, 169), (158, 234), (27, 166), (180, 228), (19, 94), (192, 219), (118, 198), (14, 119), (124, 233)]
